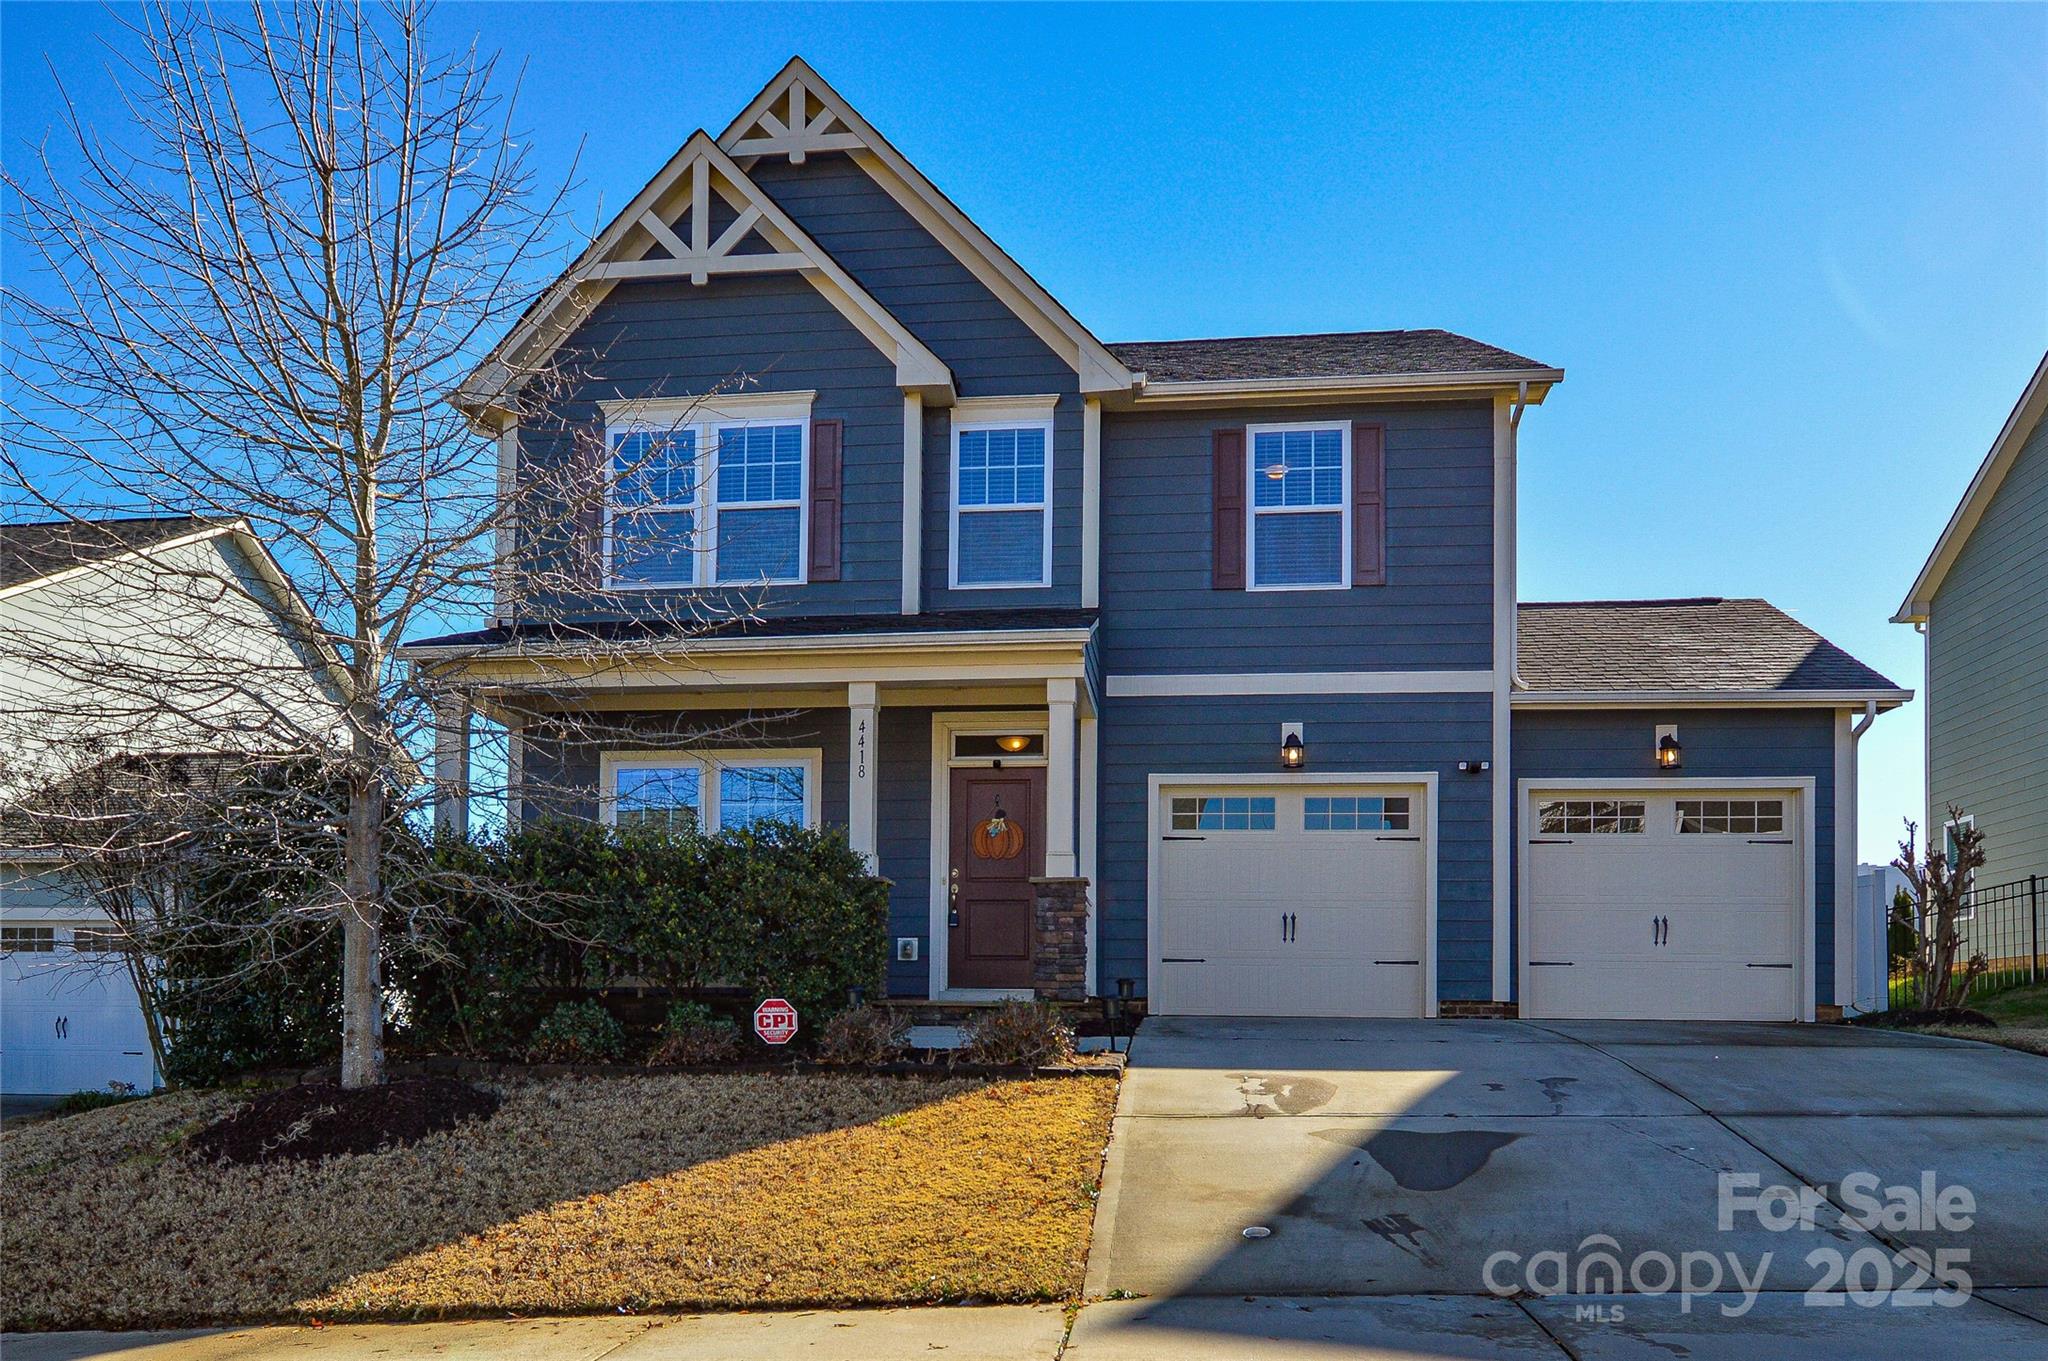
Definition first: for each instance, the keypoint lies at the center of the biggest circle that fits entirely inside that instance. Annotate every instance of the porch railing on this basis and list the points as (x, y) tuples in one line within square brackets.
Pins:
[(2006, 923)]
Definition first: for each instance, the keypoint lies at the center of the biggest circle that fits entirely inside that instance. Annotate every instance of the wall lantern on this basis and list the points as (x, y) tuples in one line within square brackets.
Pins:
[(1293, 751), (1014, 743), (1670, 755)]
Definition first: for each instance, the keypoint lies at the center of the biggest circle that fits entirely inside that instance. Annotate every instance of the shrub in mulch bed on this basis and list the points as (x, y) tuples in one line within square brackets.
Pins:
[(319, 1120)]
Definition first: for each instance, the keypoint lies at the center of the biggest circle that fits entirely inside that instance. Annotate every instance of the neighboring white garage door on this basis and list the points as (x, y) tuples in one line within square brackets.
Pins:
[(1291, 900), (1678, 904), (69, 1021)]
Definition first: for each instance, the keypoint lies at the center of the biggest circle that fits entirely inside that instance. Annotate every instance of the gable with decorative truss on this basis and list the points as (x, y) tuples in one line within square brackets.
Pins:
[(798, 115), (700, 218)]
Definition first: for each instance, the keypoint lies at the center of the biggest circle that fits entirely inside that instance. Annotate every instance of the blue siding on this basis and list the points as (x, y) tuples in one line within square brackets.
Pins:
[(1746, 743), (1369, 734), (1160, 613), (1066, 519), (903, 843), (665, 338)]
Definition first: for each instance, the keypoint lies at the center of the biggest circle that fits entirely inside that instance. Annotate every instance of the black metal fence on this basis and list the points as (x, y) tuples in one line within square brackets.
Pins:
[(2006, 923)]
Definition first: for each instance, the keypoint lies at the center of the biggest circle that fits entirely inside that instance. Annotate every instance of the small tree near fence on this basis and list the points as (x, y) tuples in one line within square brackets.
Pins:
[(1940, 882)]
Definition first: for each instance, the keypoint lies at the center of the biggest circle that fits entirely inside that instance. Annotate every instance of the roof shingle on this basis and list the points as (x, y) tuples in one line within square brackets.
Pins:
[(1701, 644), (1337, 354), (44, 548)]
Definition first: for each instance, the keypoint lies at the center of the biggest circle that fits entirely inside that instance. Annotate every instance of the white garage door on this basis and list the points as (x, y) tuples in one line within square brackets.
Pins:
[(69, 1020), (1291, 900), (1682, 905)]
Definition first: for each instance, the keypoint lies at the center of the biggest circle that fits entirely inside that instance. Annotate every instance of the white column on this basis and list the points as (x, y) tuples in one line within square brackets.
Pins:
[(861, 751), (913, 501), (451, 764), (1502, 758), (1060, 860), (1090, 757), (1091, 503)]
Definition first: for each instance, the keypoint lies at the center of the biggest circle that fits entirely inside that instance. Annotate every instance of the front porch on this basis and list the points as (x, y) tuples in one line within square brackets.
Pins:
[(961, 762)]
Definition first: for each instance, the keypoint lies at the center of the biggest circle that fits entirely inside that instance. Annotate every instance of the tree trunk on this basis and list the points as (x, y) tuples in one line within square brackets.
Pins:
[(362, 990)]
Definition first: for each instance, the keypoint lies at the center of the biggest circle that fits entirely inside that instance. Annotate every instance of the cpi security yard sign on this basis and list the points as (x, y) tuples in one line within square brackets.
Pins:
[(775, 1021)]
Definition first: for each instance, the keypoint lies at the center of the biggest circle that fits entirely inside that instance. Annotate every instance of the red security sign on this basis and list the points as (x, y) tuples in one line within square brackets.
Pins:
[(775, 1021)]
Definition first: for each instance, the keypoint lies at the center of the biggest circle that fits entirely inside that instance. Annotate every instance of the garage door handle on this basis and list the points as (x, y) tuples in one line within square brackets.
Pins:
[(1183, 838), (1552, 963), (1397, 838), (1561, 842), (1397, 961), (1180, 959), (1767, 966), (1770, 841)]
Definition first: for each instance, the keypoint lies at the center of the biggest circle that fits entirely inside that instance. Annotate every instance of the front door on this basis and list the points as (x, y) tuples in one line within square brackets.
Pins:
[(998, 844)]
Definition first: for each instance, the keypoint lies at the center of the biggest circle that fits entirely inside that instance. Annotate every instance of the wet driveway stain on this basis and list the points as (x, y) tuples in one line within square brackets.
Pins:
[(1554, 1091), (1419, 1161), (1286, 1095)]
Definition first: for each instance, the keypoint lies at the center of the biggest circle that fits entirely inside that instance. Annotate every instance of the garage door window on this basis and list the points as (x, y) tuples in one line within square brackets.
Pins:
[(1590, 817), (1709, 816), (1223, 813), (27, 940), (1354, 814)]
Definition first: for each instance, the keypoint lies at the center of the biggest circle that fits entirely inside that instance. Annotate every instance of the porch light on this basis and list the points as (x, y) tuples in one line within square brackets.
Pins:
[(1670, 755), (1293, 751), (1013, 743)]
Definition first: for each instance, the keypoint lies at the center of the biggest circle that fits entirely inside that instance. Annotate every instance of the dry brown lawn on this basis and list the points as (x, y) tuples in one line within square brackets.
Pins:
[(2030, 1039), (654, 1192)]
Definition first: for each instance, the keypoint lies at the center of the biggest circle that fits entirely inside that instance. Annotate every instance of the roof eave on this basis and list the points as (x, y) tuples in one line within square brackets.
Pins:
[(1885, 698), (1336, 387), (900, 641)]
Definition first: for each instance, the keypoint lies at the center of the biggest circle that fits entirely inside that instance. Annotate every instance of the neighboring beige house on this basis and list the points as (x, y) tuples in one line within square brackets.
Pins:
[(114, 634), (1982, 603)]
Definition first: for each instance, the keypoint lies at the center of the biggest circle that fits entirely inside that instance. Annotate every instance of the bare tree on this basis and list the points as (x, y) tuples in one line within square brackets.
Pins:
[(252, 297), (1940, 884)]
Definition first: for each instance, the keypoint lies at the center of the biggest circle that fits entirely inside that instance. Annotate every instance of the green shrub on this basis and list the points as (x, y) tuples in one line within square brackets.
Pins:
[(96, 1098), (1021, 1034), (577, 1032), (694, 1033), (864, 1036)]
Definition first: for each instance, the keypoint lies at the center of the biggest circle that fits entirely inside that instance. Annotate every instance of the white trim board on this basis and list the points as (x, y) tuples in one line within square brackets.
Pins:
[(1802, 786), (1705, 699), (1425, 780), (1300, 683)]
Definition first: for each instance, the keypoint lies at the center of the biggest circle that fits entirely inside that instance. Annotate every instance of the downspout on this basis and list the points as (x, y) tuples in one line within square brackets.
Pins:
[(1515, 681), (1847, 804)]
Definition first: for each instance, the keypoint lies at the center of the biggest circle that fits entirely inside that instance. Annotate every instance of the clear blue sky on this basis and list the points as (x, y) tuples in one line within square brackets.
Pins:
[(1794, 260)]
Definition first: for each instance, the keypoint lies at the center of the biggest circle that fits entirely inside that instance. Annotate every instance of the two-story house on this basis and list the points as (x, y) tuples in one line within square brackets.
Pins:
[(1196, 664)]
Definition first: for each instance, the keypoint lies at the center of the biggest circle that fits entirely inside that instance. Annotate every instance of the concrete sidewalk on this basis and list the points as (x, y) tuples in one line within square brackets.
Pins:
[(993, 1333)]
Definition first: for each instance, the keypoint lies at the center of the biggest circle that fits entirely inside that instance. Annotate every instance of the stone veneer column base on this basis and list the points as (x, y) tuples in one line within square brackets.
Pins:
[(1059, 956), (1489, 1011)]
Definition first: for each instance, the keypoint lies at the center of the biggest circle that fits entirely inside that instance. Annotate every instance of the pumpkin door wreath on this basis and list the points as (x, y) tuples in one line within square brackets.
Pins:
[(998, 838)]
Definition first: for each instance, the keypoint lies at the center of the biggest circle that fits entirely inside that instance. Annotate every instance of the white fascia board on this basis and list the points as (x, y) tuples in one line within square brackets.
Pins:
[(1705, 699), (1301, 683), (841, 643), (2005, 451), (1375, 385)]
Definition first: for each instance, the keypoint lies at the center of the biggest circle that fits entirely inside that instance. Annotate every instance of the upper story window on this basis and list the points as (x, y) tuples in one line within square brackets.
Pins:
[(1002, 510), (1300, 483), (708, 495)]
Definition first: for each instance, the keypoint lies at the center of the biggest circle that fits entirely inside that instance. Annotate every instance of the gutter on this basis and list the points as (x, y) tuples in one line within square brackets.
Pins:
[(845, 642), (1709, 699), (1512, 547)]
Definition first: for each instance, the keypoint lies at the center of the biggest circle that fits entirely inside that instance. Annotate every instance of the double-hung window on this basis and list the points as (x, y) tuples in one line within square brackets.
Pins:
[(711, 791), (1002, 518), (1299, 530), (709, 496)]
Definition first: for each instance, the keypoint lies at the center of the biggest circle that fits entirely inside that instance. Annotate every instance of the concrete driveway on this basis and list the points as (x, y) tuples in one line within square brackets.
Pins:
[(1391, 1163)]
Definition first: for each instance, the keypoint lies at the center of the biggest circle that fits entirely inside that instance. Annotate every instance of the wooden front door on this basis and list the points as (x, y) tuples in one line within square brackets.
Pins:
[(998, 844)]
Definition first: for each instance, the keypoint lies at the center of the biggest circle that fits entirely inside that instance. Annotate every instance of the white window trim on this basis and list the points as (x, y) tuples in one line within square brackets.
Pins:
[(993, 417), (1252, 511), (708, 764), (706, 418)]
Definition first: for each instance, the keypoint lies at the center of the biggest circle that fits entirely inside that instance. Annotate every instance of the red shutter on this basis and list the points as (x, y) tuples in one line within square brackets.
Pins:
[(1226, 449), (825, 500), (587, 487), (1368, 505)]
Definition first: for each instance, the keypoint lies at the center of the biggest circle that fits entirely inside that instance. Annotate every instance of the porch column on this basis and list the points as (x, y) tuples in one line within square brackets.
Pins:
[(1060, 860), (452, 714), (861, 746)]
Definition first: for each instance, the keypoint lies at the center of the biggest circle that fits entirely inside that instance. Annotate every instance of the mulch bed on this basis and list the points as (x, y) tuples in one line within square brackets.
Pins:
[(318, 1120), (1943, 1016)]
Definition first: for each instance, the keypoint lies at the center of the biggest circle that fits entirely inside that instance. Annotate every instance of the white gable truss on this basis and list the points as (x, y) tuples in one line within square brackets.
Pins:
[(798, 114), (642, 243)]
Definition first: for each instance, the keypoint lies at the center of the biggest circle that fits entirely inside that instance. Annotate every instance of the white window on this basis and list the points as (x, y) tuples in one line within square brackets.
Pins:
[(714, 791), (1223, 813), (1002, 517), (1355, 814), (1705, 817), (1590, 817), (708, 493), (27, 940), (1300, 528)]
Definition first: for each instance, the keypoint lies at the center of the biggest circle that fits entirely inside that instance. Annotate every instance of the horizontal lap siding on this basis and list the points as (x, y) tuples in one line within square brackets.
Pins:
[(1435, 612), (991, 351), (669, 338), (1731, 744), (1988, 656), (1368, 734), (903, 844)]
